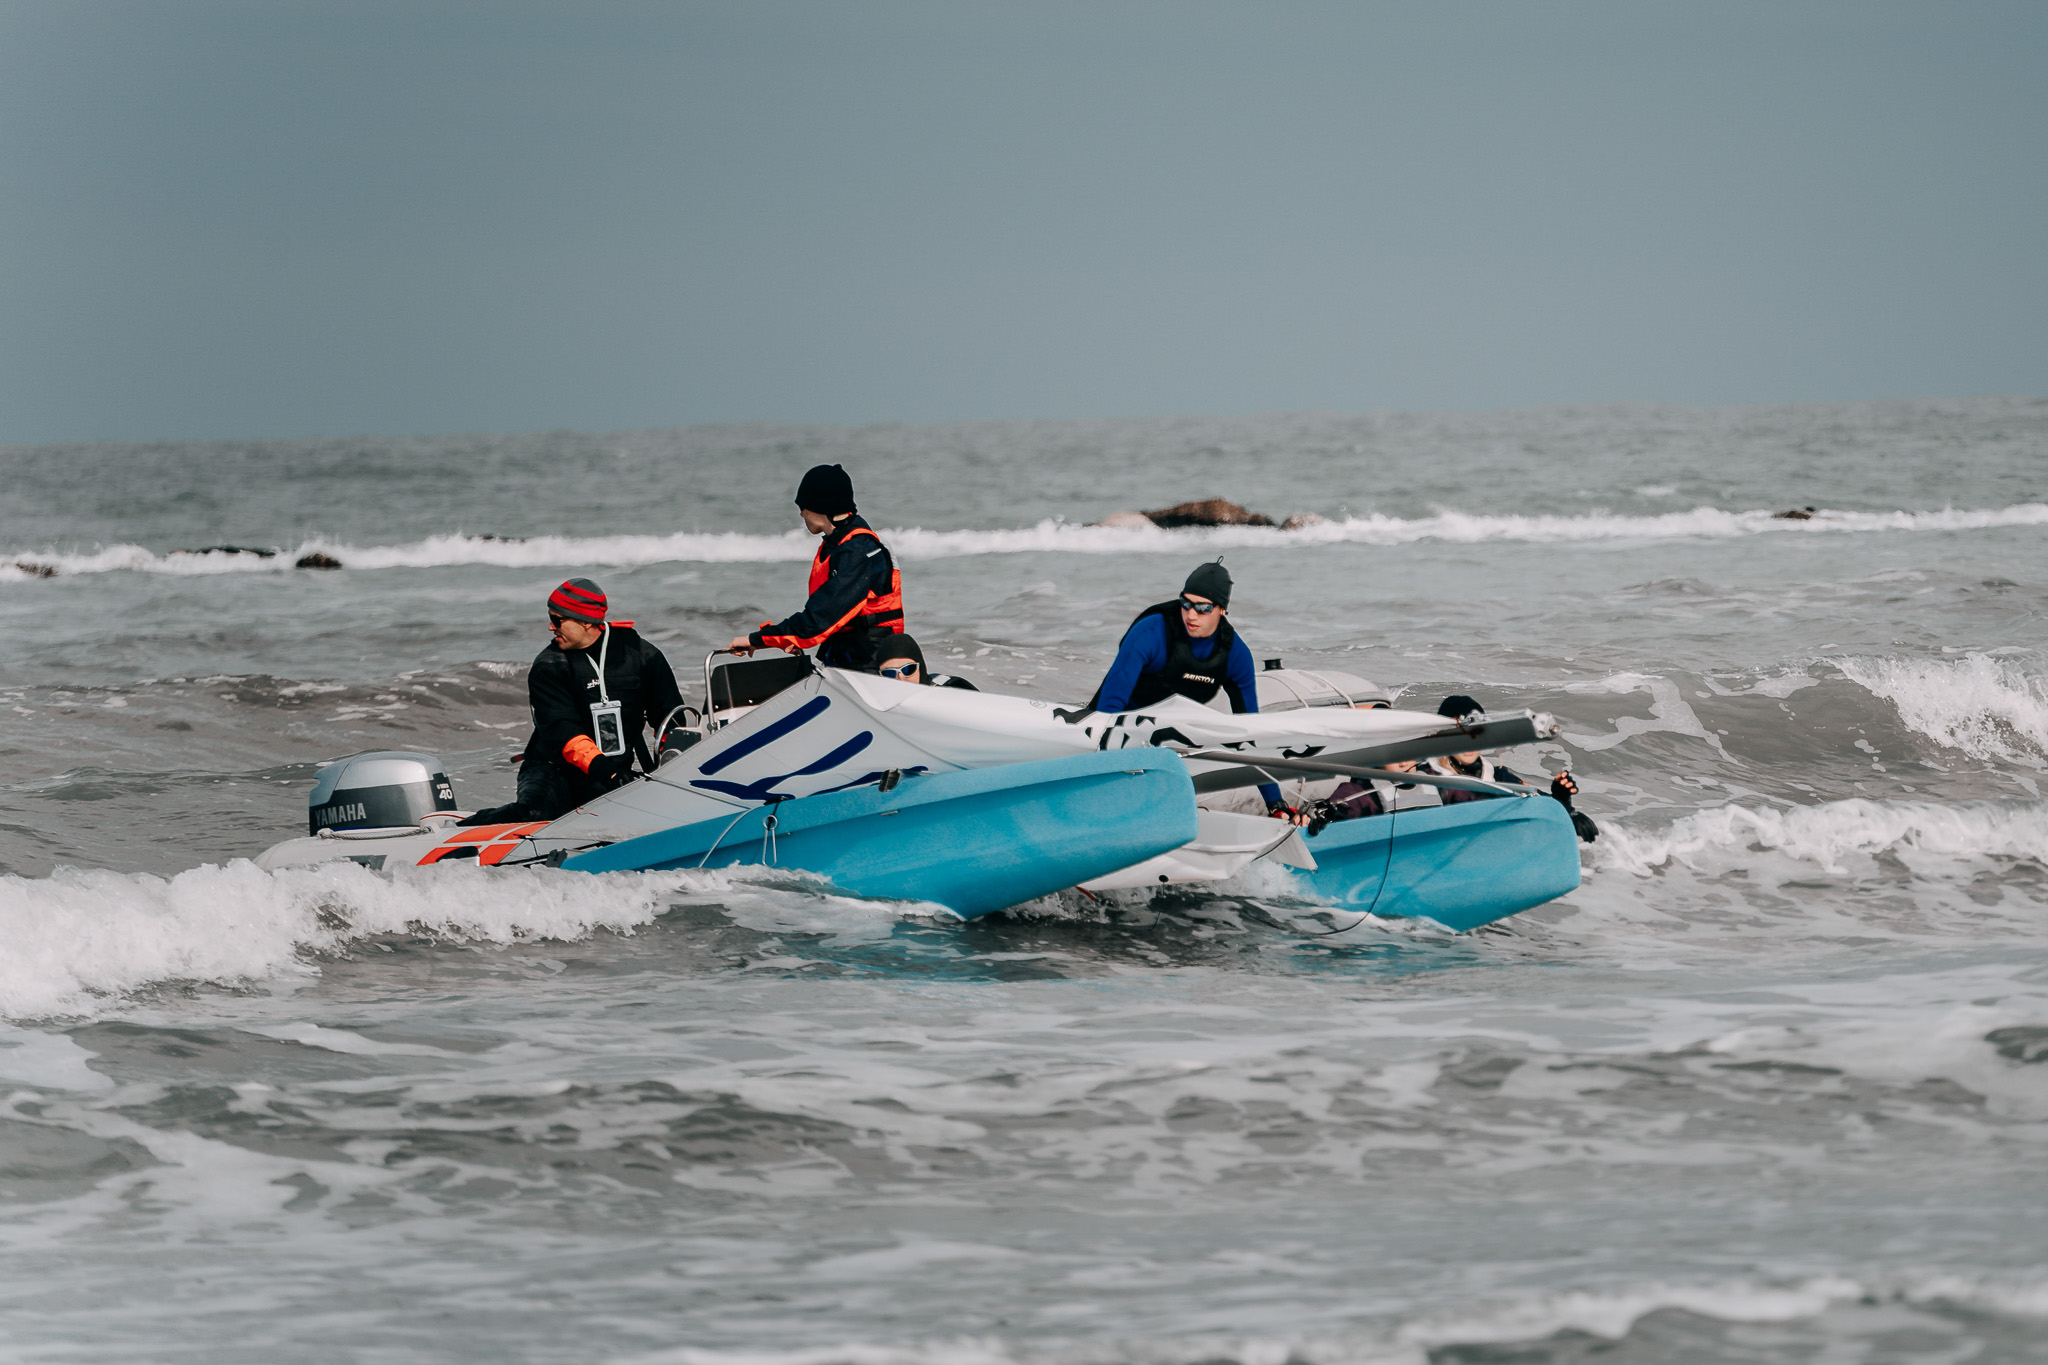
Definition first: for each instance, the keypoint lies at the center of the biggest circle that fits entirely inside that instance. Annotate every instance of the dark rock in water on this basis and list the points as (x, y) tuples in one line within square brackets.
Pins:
[(316, 560), (230, 550), (1794, 514), (35, 570), (502, 540), (1302, 520), (1207, 512)]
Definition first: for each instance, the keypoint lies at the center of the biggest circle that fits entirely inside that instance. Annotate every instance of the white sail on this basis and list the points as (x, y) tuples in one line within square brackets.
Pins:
[(837, 729)]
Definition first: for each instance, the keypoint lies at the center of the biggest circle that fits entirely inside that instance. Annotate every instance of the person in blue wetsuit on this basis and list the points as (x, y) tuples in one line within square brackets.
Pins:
[(1187, 648)]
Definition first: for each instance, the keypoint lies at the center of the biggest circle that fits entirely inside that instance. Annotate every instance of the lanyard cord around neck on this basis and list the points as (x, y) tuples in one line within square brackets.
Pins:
[(603, 648)]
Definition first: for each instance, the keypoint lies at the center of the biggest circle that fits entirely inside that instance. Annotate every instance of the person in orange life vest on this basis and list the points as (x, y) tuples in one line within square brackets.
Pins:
[(1186, 648), (856, 600), (594, 673)]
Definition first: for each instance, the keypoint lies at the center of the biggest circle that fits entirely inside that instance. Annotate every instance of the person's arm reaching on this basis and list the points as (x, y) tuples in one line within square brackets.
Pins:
[(837, 601), (1143, 649)]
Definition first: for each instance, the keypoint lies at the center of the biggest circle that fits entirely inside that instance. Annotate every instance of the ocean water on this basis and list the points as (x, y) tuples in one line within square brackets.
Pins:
[(1771, 1086)]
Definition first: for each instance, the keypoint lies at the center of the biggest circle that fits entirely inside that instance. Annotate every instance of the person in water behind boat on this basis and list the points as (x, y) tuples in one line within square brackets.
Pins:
[(1353, 798), (1188, 648), (594, 690), (903, 659), (856, 600)]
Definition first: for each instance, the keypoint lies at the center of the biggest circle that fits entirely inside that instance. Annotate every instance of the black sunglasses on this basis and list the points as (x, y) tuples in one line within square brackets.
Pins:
[(1198, 608)]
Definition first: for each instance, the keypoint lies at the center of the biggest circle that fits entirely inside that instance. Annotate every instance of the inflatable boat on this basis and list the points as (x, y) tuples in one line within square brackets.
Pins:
[(976, 801)]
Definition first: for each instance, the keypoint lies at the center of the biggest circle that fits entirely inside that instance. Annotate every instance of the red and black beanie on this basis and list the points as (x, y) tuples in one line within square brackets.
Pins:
[(579, 599)]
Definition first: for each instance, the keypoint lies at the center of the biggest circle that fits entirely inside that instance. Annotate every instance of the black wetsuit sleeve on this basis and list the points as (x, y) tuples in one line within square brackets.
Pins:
[(659, 695), (856, 566), (555, 692)]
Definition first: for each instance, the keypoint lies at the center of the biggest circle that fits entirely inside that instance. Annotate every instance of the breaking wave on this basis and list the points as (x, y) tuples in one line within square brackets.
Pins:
[(1982, 706), (1829, 834), (79, 937), (916, 543)]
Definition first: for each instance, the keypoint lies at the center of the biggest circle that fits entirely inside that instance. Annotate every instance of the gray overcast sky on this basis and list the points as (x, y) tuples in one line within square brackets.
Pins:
[(294, 217)]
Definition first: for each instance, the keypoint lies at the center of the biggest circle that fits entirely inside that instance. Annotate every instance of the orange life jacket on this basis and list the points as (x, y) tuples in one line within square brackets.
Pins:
[(877, 611), (882, 611)]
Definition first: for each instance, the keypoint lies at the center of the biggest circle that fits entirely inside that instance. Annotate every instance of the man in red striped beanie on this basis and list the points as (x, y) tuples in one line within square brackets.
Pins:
[(579, 599), (594, 690)]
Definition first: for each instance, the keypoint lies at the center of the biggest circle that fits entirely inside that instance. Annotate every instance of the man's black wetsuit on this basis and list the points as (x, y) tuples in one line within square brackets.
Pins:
[(562, 768)]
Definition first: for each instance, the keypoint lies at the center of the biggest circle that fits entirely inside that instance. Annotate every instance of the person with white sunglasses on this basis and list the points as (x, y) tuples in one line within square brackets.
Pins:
[(903, 661)]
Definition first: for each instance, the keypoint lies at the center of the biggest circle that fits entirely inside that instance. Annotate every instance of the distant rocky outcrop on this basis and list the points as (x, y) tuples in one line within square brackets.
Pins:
[(316, 560), (1205, 512), (1794, 514), (230, 550), (35, 570)]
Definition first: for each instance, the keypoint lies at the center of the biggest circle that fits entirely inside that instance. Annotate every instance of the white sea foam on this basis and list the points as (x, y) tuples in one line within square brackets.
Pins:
[(1985, 707), (1669, 714), (917, 543), (79, 937), (1828, 835)]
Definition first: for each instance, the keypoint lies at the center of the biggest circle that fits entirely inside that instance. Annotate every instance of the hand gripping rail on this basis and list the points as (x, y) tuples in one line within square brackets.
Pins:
[(1494, 732)]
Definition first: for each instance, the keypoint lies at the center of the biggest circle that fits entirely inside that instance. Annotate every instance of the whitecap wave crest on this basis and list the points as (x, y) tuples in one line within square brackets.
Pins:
[(916, 543), (1985, 707), (78, 938), (1828, 835)]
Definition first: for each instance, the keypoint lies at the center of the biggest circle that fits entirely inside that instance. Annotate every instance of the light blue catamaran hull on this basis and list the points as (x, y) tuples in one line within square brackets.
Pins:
[(1461, 865), (974, 841)]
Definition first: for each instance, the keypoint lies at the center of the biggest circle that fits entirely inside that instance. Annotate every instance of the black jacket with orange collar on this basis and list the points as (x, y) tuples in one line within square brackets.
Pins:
[(563, 683)]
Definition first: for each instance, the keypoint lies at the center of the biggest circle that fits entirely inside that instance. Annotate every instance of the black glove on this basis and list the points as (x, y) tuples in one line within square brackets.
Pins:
[(1320, 814), (1563, 788), (611, 770)]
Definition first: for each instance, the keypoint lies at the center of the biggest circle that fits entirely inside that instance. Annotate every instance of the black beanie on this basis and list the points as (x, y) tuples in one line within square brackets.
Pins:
[(826, 490), (889, 647), (1459, 706), (1211, 581)]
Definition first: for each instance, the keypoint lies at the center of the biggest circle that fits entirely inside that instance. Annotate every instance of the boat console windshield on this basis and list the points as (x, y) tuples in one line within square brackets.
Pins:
[(734, 688)]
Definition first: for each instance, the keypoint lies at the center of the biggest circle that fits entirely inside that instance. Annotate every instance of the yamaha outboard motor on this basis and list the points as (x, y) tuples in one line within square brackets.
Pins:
[(379, 790)]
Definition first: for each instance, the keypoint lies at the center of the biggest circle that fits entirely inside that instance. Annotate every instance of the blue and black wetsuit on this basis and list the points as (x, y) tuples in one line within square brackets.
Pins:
[(1159, 659)]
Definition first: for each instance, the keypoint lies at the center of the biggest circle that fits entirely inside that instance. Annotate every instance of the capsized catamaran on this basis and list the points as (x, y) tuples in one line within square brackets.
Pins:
[(977, 801)]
